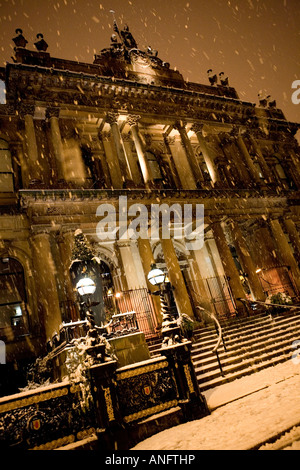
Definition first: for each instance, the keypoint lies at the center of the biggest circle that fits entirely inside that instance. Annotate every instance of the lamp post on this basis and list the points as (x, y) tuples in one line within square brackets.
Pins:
[(170, 328), (96, 346)]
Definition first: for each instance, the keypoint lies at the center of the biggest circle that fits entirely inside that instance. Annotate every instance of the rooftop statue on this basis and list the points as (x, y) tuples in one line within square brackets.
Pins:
[(41, 44), (19, 40), (126, 36)]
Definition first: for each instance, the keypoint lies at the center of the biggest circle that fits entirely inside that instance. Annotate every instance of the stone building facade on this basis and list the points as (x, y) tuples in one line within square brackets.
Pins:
[(76, 135)]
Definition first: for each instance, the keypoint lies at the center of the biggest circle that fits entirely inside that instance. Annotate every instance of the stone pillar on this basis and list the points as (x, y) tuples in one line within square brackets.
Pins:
[(31, 149), (18, 162), (45, 281), (112, 119), (296, 164), (261, 160), (66, 241), (249, 162), (147, 260), (209, 160), (135, 170), (246, 261), (203, 298), (229, 148), (139, 146), (112, 162), (52, 115), (293, 235), (284, 251), (133, 281), (189, 153), (176, 279), (181, 162), (229, 266)]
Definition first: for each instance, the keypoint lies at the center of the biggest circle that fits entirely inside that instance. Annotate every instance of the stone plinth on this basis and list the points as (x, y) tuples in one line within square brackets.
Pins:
[(130, 349)]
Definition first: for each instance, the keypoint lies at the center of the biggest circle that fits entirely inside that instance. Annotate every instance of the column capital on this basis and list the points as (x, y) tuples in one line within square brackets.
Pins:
[(132, 119), (179, 125), (103, 135), (52, 112), (197, 127), (26, 109), (112, 117), (236, 130)]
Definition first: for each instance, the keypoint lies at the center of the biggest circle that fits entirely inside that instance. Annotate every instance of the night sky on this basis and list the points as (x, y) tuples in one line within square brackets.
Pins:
[(255, 42)]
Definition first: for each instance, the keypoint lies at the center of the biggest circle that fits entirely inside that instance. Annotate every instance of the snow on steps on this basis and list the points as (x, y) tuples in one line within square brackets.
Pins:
[(251, 345)]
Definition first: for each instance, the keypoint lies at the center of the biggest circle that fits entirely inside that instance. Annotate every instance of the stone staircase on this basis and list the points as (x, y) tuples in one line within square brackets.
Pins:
[(250, 344)]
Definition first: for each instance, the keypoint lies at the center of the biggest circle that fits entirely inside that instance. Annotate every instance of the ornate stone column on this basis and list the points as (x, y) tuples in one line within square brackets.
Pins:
[(209, 161), (246, 261), (296, 163), (147, 260), (52, 115), (31, 149), (228, 264), (261, 160), (112, 119), (242, 146), (203, 298), (284, 250), (112, 161), (133, 162), (189, 152), (181, 162), (66, 241), (45, 282), (228, 144), (18, 160), (133, 281), (176, 279), (293, 235), (139, 146)]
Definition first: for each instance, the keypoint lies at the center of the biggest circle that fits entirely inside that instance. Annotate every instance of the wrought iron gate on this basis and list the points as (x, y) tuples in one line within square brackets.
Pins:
[(138, 301)]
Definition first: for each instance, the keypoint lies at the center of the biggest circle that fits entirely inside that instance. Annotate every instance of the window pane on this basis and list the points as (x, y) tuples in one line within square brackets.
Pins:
[(12, 293)]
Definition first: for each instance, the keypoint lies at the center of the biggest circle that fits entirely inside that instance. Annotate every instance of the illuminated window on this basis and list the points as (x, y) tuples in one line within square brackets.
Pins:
[(12, 294), (280, 171), (259, 170), (2, 92), (6, 171)]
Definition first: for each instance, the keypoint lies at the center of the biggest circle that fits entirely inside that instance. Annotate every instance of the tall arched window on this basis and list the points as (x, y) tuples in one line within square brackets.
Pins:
[(6, 170), (154, 166), (12, 295), (160, 170)]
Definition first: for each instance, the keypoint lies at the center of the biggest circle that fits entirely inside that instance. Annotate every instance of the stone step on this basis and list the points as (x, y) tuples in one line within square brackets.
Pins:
[(236, 356), (238, 361), (251, 344), (269, 346), (229, 377), (274, 328)]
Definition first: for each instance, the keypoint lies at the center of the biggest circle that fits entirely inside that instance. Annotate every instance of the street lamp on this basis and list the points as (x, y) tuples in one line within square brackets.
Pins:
[(86, 286), (156, 276)]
